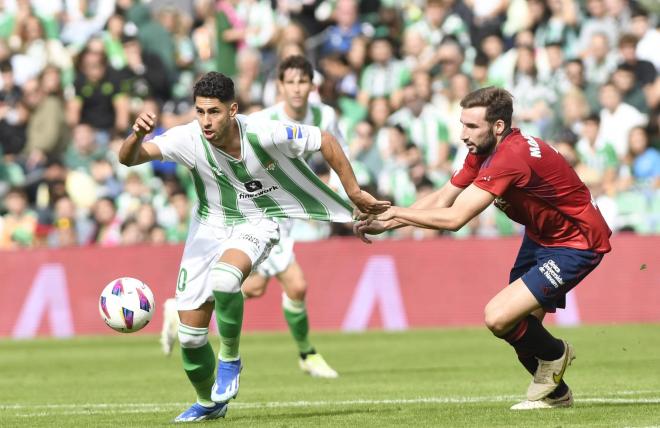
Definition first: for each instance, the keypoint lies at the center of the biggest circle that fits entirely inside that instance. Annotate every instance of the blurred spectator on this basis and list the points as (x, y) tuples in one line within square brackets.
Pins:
[(417, 53), (576, 80), (644, 161), (107, 184), (597, 22), (99, 99), (574, 109), (209, 45), (363, 149), (599, 162), (599, 59), (154, 37), (83, 19), (18, 225), (131, 234), (531, 99), (438, 22), (450, 111), (178, 231), (136, 192), (394, 180), (648, 36), (617, 118), (624, 80), (644, 71), (249, 87), (83, 149), (13, 114), (554, 22), (47, 132), (107, 227), (338, 37), (385, 75), (500, 64), (112, 38), (157, 235), (145, 218), (450, 57), (486, 16), (68, 227), (143, 74), (33, 51)]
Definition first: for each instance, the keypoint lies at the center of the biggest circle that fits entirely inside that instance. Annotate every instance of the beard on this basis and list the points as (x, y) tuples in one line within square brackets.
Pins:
[(488, 145)]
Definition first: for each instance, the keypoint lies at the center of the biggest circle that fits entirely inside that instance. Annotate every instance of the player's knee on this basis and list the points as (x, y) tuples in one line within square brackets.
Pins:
[(297, 290), (253, 292), (193, 337), (225, 278), (495, 320)]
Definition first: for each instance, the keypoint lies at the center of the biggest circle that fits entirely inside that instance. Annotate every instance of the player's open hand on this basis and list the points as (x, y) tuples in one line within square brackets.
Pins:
[(371, 227), (387, 215), (144, 124), (368, 204)]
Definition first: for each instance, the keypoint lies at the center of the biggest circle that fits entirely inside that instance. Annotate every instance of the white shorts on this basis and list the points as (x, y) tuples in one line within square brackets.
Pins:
[(281, 255), (204, 246)]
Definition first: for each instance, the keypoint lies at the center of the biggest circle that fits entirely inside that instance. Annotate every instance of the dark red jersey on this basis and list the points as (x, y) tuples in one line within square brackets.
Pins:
[(537, 188)]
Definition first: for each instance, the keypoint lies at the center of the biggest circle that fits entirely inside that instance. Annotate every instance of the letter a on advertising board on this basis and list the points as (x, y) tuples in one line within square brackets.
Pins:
[(378, 287), (48, 294)]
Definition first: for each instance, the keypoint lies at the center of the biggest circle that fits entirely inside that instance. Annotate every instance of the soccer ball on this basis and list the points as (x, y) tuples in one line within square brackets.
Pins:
[(126, 304)]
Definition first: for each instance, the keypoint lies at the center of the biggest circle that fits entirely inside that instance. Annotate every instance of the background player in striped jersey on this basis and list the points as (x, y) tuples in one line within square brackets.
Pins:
[(295, 75), (565, 233), (246, 172), (294, 84)]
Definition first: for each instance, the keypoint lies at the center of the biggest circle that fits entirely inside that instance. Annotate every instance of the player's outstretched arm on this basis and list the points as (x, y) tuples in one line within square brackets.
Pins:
[(133, 151), (334, 155), (468, 204)]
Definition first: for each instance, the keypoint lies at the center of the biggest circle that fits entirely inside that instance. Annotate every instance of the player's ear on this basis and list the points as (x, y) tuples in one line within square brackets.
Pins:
[(233, 109), (499, 127)]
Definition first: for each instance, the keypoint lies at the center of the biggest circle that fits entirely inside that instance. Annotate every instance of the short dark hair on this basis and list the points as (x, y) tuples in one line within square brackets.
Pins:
[(593, 117), (628, 39), (295, 62), (498, 103), (214, 85), (5, 66)]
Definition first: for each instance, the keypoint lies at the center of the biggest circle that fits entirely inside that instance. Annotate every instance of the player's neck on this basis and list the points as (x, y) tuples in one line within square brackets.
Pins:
[(296, 114), (502, 137)]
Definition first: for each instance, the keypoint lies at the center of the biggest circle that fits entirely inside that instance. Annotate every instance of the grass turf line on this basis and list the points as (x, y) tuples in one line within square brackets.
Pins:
[(445, 377)]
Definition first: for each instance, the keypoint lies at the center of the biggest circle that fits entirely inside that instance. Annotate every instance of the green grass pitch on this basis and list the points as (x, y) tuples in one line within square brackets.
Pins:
[(419, 378)]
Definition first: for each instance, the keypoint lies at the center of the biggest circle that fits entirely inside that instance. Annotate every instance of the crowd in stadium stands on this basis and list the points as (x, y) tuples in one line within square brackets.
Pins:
[(74, 74)]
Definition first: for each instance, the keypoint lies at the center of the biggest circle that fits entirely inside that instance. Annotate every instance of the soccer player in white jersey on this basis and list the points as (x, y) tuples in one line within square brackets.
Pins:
[(295, 75), (245, 172), (294, 83)]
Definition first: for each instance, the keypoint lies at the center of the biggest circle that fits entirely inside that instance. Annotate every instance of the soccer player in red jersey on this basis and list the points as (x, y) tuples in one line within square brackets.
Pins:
[(565, 233)]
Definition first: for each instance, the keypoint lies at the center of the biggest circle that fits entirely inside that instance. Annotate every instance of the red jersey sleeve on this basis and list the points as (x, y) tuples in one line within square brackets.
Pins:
[(465, 176), (502, 170)]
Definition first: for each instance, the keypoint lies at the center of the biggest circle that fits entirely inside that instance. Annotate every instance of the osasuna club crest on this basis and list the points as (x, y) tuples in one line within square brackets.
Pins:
[(253, 186)]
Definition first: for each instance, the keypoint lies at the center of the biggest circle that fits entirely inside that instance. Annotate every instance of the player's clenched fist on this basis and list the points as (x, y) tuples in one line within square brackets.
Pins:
[(144, 124)]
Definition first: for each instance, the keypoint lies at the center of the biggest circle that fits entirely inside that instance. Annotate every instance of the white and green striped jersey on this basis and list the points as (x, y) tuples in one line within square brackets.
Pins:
[(269, 180), (320, 115)]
